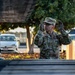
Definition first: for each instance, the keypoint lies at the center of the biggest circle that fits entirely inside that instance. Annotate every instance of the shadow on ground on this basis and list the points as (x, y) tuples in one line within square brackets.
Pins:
[(4, 63)]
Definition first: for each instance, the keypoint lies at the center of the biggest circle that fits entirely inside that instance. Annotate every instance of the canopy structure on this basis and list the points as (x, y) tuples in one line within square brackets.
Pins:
[(14, 11)]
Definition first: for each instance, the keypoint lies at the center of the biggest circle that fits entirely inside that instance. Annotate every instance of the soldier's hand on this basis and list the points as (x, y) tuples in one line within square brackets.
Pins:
[(41, 27), (59, 25)]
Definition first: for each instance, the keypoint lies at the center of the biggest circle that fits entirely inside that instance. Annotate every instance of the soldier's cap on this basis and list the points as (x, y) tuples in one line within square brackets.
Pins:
[(50, 21)]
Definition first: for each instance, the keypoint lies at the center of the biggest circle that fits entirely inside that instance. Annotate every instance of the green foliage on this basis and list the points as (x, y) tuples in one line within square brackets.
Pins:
[(58, 9), (7, 26), (4, 26)]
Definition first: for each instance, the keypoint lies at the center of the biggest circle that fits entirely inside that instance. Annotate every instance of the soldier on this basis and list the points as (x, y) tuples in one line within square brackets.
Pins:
[(50, 41)]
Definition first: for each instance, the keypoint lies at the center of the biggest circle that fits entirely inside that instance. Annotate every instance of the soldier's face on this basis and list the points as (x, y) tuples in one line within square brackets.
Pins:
[(49, 27)]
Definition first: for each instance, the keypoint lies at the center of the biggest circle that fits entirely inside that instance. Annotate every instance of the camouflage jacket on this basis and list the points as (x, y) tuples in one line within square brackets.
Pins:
[(49, 43)]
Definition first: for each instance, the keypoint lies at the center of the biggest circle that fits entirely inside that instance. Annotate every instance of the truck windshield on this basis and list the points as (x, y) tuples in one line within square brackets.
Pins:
[(72, 37)]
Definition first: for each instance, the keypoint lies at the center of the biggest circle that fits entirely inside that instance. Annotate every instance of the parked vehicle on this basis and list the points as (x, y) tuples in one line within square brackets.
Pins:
[(8, 43), (72, 36)]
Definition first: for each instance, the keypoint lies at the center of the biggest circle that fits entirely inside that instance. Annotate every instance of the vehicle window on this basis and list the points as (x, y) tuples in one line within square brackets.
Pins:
[(72, 37), (7, 38)]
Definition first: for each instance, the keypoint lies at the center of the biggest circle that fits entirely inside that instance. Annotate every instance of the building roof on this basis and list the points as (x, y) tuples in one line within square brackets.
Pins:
[(16, 10)]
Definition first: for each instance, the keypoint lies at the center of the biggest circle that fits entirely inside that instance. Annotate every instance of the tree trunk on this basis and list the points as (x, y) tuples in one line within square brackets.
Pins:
[(32, 45), (30, 42), (28, 38)]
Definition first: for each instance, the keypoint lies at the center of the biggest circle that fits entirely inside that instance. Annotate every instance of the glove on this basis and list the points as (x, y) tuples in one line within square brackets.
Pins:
[(59, 25), (41, 27)]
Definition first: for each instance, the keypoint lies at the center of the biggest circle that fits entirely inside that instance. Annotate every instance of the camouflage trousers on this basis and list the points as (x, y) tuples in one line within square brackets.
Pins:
[(47, 54)]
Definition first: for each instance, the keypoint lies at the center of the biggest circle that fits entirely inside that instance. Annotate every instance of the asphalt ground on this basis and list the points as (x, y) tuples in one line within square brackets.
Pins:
[(23, 49)]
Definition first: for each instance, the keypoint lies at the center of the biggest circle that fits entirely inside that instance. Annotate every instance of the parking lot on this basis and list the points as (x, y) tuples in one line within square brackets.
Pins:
[(23, 49)]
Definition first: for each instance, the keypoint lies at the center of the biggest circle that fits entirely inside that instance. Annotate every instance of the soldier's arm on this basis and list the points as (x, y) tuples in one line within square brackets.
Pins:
[(64, 38), (39, 38)]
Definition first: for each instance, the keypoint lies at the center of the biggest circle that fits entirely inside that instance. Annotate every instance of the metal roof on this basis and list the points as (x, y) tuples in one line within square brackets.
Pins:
[(16, 10), (37, 67)]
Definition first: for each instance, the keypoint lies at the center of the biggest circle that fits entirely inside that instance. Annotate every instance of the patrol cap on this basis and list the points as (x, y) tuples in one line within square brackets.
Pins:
[(50, 21)]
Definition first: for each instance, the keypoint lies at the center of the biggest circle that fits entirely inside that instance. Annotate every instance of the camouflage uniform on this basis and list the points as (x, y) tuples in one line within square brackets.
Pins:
[(49, 44)]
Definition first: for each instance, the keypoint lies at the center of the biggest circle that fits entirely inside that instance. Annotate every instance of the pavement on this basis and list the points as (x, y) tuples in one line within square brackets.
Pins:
[(23, 49)]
